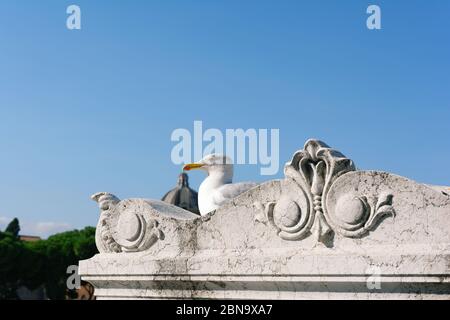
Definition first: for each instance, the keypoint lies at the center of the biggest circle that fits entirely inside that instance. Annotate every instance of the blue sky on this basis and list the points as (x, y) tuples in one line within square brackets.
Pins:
[(93, 110)]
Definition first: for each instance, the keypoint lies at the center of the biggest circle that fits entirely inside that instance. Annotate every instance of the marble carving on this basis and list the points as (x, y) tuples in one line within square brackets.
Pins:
[(324, 231)]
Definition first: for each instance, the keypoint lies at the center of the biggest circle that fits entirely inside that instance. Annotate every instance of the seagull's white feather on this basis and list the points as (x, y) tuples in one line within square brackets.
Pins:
[(230, 191), (217, 188)]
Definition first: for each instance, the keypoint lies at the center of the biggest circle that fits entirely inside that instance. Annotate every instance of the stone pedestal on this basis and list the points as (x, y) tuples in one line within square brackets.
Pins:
[(326, 231)]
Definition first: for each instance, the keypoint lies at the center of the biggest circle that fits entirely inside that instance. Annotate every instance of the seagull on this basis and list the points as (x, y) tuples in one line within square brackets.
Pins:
[(217, 188)]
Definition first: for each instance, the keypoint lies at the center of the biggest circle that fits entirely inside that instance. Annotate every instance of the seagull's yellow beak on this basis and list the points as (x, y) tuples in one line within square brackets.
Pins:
[(192, 166)]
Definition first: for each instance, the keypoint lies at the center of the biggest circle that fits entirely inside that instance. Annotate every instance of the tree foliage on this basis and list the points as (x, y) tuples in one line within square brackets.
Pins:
[(42, 263), (13, 228)]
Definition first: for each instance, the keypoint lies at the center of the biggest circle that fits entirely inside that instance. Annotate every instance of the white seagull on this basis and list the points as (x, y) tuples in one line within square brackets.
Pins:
[(217, 188)]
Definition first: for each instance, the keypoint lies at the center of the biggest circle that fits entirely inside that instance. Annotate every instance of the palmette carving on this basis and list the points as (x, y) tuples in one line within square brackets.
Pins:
[(314, 170)]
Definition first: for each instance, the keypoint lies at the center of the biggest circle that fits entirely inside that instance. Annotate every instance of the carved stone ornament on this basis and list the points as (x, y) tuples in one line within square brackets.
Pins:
[(123, 228), (321, 212), (132, 225), (322, 195)]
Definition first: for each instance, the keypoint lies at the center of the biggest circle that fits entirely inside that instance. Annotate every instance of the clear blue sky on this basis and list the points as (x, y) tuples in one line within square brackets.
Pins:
[(93, 110)]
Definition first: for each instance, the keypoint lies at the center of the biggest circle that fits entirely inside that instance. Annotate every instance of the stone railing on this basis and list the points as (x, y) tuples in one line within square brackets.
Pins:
[(326, 230)]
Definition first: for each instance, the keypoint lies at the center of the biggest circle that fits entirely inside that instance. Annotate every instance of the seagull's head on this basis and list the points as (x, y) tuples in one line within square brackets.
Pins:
[(213, 163)]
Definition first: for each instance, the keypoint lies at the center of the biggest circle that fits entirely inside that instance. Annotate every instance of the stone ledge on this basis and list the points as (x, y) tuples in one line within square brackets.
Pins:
[(269, 287)]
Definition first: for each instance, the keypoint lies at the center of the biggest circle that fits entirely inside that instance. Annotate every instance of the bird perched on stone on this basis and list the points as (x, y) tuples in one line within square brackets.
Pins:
[(218, 187)]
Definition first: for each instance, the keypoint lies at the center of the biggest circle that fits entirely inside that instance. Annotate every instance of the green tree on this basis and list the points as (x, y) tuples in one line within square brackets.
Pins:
[(42, 263), (58, 252), (13, 228), (11, 250)]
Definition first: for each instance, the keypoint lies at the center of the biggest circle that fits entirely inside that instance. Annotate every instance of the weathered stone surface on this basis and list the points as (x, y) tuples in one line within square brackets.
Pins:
[(325, 231)]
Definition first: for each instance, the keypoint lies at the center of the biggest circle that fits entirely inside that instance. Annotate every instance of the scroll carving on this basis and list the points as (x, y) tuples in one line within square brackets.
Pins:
[(121, 229)]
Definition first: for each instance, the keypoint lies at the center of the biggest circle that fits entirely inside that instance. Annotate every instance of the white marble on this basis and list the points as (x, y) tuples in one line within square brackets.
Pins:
[(326, 231)]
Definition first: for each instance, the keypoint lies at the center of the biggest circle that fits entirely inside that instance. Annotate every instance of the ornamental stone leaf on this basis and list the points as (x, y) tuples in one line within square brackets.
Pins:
[(315, 169)]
